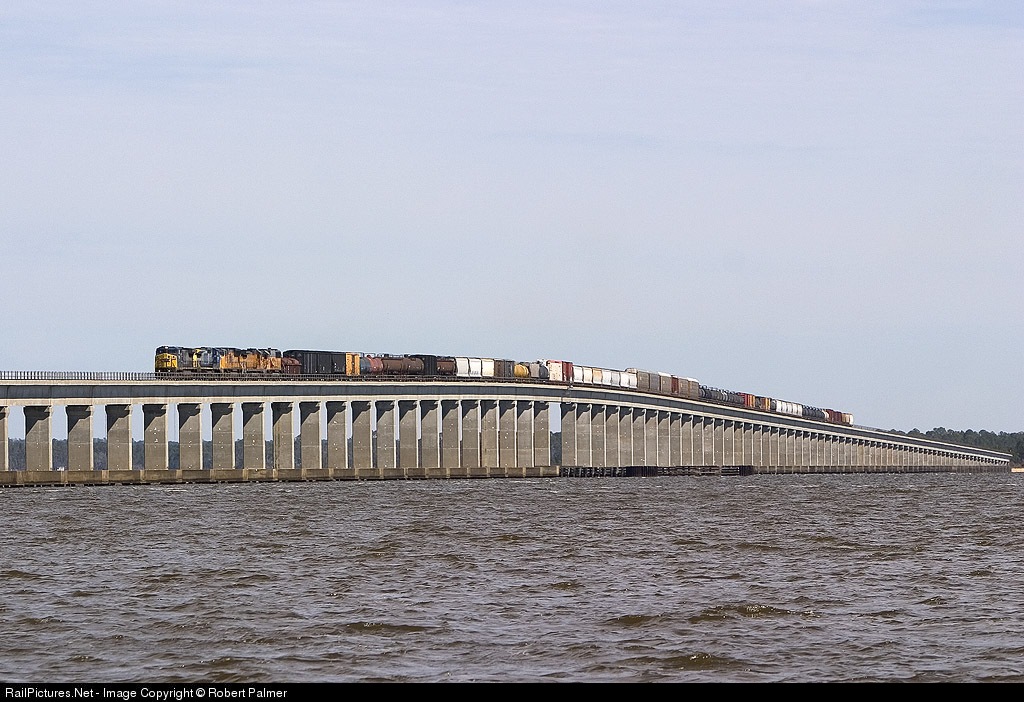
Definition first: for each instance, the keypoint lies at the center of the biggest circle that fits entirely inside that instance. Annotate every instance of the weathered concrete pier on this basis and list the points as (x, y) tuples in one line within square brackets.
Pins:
[(462, 428)]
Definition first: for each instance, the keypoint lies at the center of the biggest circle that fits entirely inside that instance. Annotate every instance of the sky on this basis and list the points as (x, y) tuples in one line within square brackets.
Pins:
[(818, 201)]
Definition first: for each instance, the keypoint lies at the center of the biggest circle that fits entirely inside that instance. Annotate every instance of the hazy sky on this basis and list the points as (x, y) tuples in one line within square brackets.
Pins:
[(818, 201)]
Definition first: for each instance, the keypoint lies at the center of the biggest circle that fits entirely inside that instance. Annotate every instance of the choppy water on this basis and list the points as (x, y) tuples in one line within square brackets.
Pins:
[(803, 578)]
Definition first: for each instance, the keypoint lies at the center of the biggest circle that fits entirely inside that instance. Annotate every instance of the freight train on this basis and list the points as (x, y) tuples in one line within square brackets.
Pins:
[(186, 361)]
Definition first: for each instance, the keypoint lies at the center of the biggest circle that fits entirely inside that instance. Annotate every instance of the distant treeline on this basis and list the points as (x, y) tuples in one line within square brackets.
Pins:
[(1011, 443)]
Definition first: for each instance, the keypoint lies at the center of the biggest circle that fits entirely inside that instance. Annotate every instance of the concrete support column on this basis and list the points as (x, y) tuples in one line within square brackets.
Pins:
[(598, 445), (470, 438), (584, 459), (222, 425), (639, 432), (708, 437), (408, 439), (190, 436), (697, 438), (38, 438), (283, 425), (686, 440), (337, 439), (541, 434), (726, 429), (450, 448), (430, 439), (805, 448), (154, 437), (80, 446), (387, 459), (311, 450), (254, 441), (719, 452), (5, 463), (625, 436), (362, 440), (611, 436), (488, 439), (569, 410), (675, 426), (507, 438), (524, 436), (664, 440), (651, 437), (774, 436), (119, 437)]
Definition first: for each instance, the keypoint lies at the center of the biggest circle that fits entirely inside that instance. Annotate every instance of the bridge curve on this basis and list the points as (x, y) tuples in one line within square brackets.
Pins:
[(415, 428)]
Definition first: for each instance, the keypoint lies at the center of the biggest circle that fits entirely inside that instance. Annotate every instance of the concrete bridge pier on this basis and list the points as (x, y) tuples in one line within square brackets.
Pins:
[(222, 421), (190, 436), (664, 440), (450, 447), (254, 448), (584, 456), (523, 438), (625, 432), (506, 439), (119, 437), (154, 437), (38, 438), (387, 458), (541, 438), (675, 430), (311, 452), (651, 438), (430, 439), (686, 440), (283, 427), (337, 440), (568, 422), (611, 436), (4, 459), (488, 440), (362, 440), (80, 445), (470, 464), (408, 440), (638, 430), (598, 445)]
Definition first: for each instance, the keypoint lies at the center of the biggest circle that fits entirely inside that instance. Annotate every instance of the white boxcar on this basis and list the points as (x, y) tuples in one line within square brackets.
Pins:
[(790, 408), (487, 367), (555, 371)]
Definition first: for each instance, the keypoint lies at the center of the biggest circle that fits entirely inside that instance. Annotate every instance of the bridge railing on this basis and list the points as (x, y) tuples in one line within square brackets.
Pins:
[(75, 375)]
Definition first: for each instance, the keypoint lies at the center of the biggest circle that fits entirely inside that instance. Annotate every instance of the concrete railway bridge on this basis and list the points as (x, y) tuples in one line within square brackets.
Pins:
[(456, 428)]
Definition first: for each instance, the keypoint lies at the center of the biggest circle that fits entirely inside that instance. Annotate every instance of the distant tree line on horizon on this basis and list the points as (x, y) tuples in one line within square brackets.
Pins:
[(1007, 442)]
